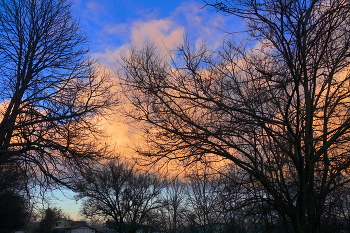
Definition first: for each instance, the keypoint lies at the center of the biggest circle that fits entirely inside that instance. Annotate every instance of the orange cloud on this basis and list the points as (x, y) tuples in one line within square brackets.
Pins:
[(189, 19)]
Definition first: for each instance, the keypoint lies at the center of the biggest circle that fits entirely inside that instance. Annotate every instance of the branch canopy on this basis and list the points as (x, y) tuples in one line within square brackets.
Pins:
[(279, 110), (52, 94)]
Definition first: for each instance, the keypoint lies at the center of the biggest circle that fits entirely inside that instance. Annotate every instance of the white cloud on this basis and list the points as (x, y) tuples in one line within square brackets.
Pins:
[(164, 33), (118, 29), (189, 19)]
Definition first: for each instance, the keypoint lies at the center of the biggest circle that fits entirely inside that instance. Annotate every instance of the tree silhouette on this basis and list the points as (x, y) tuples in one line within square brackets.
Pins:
[(14, 211), (51, 215), (118, 191), (278, 110), (51, 93)]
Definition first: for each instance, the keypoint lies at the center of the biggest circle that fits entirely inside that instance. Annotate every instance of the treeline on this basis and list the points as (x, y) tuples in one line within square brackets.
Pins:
[(202, 201), (118, 196)]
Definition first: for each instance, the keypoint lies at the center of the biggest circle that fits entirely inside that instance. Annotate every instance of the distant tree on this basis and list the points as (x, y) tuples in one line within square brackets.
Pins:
[(277, 107), (206, 214), (51, 215), (243, 206), (51, 94), (174, 205), (118, 191), (337, 209)]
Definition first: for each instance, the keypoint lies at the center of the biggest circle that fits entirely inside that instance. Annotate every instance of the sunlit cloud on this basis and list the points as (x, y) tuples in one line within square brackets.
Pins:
[(188, 20)]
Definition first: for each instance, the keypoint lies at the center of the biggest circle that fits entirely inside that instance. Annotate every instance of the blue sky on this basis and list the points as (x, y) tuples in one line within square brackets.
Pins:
[(112, 26)]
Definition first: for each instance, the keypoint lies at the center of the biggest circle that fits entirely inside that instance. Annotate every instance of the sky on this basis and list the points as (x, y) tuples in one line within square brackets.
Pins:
[(112, 26)]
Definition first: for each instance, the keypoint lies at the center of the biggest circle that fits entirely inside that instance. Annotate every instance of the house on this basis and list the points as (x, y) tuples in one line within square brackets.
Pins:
[(80, 229), (63, 223), (69, 226)]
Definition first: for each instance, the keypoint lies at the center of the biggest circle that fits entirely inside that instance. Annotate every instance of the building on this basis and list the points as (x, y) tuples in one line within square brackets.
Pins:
[(69, 226), (80, 229), (63, 223)]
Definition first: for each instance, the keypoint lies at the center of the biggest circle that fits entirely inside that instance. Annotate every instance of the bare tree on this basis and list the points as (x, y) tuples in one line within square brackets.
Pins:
[(240, 201), (279, 110), (51, 94), (49, 218), (174, 205), (118, 191), (337, 207), (204, 201)]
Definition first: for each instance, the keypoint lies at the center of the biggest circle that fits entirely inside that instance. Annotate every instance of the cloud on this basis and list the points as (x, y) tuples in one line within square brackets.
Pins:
[(111, 56), (165, 33), (188, 20), (117, 130), (91, 12), (95, 7), (117, 29), (203, 25)]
